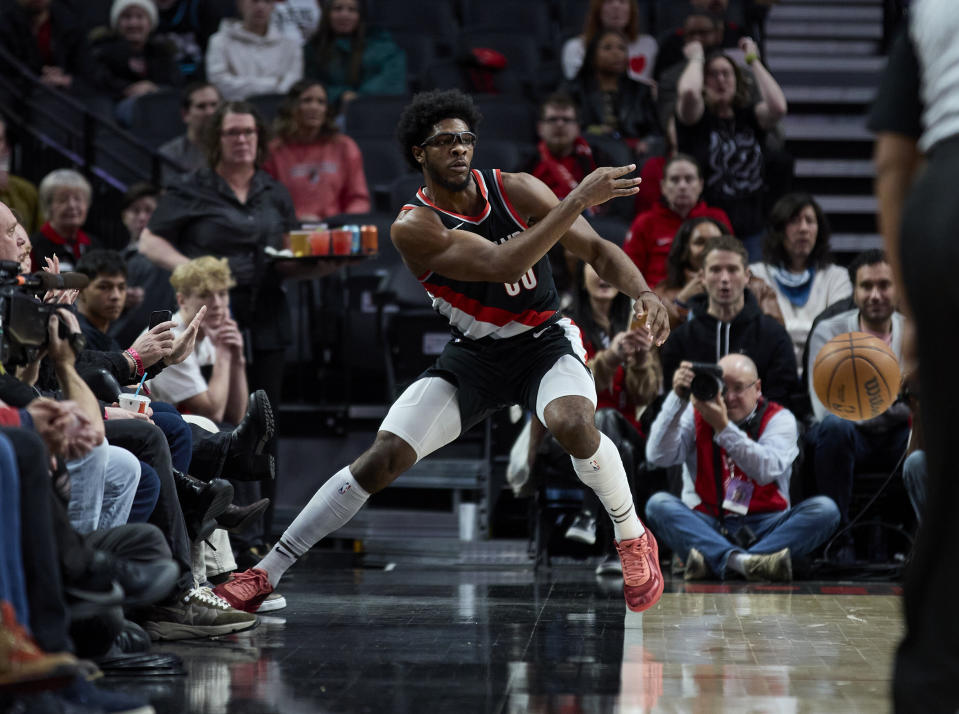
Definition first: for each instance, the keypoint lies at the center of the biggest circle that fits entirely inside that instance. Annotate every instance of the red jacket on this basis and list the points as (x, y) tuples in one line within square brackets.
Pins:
[(765, 499), (651, 236)]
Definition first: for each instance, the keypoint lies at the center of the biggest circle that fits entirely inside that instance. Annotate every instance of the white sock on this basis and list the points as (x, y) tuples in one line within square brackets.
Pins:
[(335, 503), (604, 473)]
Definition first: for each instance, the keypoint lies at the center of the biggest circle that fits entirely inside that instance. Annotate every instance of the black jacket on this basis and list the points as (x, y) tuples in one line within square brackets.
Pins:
[(67, 42), (635, 109), (705, 339), (114, 72)]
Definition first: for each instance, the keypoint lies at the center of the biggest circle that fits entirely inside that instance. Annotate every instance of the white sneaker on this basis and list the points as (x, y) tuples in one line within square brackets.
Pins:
[(583, 529)]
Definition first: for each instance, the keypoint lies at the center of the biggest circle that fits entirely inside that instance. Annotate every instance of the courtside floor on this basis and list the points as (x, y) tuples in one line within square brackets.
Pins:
[(417, 638)]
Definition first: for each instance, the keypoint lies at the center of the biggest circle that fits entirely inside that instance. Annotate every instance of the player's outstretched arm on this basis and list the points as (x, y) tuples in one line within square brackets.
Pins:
[(427, 245)]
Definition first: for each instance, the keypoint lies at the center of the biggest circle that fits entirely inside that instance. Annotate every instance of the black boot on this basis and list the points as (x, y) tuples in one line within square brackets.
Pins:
[(201, 503), (245, 459), (236, 518)]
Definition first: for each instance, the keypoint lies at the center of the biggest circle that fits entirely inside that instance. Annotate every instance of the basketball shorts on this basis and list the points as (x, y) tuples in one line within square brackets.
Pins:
[(470, 381)]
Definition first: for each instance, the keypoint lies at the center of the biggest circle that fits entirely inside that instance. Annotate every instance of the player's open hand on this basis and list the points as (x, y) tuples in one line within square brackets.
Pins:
[(605, 183)]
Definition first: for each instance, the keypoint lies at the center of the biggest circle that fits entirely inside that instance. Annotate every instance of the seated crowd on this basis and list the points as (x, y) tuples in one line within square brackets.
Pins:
[(121, 522)]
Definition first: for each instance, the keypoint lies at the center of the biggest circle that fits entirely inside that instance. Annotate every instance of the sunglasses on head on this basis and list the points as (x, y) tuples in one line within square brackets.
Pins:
[(445, 139)]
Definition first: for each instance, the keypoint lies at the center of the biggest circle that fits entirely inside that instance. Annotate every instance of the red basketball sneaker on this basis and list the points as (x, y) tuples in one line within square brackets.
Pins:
[(247, 590), (642, 578)]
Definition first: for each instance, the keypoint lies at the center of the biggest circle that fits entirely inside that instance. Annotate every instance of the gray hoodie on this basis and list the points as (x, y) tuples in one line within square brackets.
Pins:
[(242, 64)]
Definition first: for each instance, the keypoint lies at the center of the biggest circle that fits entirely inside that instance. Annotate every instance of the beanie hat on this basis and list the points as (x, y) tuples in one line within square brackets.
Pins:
[(121, 5)]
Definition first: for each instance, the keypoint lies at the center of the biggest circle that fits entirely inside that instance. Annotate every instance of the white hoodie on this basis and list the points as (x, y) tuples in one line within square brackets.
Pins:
[(241, 64)]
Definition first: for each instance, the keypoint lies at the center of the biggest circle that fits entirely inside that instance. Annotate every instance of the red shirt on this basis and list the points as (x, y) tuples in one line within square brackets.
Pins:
[(651, 236)]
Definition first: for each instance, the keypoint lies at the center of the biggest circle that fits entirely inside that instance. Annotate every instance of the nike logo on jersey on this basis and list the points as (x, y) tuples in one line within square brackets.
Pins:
[(540, 332), (457, 225)]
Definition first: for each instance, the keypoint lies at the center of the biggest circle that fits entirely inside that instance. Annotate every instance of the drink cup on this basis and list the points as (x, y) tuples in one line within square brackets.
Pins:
[(300, 243), (134, 402), (320, 243), (342, 241)]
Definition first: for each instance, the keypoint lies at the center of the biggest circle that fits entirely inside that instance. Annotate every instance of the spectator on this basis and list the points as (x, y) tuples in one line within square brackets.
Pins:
[(651, 234), (745, 445), (46, 36), (727, 319), (610, 103), (17, 193), (715, 125), (350, 58), (188, 26), (200, 101), (65, 198), (621, 16), (235, 210), (915, 476), (563, 156), (248, 57), (296, 19), (841, 448), (148, 286), (129, 61), (321, 167), (684, 274), (798, 266), (219, 346)]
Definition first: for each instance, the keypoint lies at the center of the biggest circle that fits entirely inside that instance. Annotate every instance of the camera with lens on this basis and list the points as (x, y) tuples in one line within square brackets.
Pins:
[(24, 318), (707, 381)]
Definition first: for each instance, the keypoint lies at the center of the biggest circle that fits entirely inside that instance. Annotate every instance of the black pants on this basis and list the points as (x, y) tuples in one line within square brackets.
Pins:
[(928, 657), (147, 442), (48, 542)]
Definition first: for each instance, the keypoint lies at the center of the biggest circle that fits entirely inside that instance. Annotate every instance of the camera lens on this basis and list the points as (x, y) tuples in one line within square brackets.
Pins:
[(704, 387)]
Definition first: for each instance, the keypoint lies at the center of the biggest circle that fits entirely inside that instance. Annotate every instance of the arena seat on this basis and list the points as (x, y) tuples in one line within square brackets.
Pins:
[(371, 116), (156, 117)]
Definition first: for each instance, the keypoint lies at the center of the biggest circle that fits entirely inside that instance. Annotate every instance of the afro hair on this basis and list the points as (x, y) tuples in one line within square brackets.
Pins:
[(428, 108)]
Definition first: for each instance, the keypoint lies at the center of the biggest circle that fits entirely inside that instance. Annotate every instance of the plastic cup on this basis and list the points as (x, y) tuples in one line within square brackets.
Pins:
[(320, 243), (300, 243), (368, 236), (134, 402), (342, 240)]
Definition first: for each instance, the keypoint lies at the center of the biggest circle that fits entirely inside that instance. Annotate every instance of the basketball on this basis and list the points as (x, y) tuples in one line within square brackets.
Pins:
[(856, 376)]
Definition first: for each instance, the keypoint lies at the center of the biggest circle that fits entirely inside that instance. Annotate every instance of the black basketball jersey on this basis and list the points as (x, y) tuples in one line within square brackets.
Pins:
[(491, 311)]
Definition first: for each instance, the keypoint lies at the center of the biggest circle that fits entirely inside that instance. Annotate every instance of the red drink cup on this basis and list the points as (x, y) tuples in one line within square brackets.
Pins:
[(342, 241), (320, 243)]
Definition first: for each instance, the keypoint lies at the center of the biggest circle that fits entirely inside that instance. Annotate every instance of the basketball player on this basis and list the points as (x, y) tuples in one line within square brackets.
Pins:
[(916, 114), (477, 241)]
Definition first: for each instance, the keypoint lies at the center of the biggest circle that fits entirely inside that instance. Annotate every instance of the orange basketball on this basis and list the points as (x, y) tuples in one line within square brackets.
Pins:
[(856, 376)]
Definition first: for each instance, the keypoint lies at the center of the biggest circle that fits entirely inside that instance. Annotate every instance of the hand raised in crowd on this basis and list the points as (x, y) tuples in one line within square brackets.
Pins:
[(649, 309), (694, 286), (228, 337), (61, 350), (682, 379), (630, 344), (155, 344), (184, 343), (605, 183), (62, 297), (749, 46), (694, 50), (713, 411)]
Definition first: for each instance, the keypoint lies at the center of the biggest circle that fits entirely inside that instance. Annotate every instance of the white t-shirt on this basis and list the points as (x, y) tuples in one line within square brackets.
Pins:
[(179, 382), (642, 56), (933, 26)]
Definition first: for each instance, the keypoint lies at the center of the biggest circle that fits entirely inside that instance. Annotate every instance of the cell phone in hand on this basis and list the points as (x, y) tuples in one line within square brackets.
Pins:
[(158, 316)]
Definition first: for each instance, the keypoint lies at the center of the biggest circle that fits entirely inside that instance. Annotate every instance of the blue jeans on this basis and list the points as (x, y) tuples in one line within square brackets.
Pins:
[(13, 586), (800, 529), (842, 449), (914, 477), (177, 432), (103, 485)]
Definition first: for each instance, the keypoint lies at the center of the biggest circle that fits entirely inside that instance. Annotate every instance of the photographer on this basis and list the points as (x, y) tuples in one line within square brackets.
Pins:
[(732, 441)]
